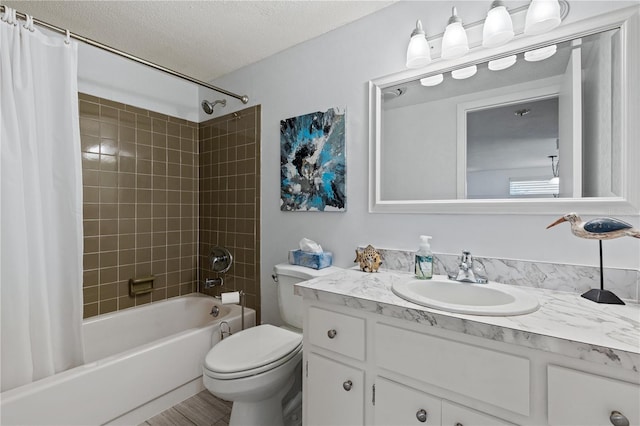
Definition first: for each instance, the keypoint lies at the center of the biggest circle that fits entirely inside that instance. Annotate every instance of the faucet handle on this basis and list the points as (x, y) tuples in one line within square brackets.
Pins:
[(480, 273), (466, 258)]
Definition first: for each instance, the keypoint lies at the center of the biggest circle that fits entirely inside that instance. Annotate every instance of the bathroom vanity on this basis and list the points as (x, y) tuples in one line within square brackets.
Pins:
[(373, 358)]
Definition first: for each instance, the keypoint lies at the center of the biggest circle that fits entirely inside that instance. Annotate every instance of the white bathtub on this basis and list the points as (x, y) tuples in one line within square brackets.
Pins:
[(138, 362)]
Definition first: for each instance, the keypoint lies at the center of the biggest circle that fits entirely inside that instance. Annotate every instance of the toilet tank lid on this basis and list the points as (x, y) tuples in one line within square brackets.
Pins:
[(303, 272)]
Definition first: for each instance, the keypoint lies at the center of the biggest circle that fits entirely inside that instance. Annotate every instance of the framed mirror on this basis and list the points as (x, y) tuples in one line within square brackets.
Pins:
[(542, 125)]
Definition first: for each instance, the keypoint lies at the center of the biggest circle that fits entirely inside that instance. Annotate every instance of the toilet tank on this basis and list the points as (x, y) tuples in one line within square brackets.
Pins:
[(287, 276)]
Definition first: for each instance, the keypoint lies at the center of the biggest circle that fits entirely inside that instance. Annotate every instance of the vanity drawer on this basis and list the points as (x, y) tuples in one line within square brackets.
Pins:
[(398, 405), (493, 377), (584, 399), (454, 414), (336, 332)]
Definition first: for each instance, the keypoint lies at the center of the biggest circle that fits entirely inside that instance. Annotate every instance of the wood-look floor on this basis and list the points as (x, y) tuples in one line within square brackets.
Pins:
[(202, 409)]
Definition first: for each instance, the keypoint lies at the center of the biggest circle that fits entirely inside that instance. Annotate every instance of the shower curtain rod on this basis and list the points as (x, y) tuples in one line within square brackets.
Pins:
[(243, 98)]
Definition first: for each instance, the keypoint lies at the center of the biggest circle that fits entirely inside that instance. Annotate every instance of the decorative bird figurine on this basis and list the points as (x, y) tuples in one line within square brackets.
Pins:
[(602, 228)]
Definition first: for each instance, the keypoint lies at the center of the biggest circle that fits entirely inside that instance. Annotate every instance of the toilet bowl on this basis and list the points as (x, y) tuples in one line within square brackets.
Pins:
[(254, 369), (258, 368)]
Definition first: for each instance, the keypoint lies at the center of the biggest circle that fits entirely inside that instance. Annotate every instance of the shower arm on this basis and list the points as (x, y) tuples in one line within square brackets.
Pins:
[(243, 98)]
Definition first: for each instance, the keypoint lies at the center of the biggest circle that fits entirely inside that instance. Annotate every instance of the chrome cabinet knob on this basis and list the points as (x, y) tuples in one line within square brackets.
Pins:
[(347, 385), (332, 333), (421, 415), (618, 419)]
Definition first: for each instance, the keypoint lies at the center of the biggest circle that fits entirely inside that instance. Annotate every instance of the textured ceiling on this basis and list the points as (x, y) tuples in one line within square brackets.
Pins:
[(202, 39)]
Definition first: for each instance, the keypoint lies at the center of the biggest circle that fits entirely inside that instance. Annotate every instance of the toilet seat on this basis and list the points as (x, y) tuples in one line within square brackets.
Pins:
[(253, 351)]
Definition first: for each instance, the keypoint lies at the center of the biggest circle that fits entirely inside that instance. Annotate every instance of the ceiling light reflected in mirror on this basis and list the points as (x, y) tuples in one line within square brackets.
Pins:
[(466, 72), (540, 54), (434, 80), (502, 63)]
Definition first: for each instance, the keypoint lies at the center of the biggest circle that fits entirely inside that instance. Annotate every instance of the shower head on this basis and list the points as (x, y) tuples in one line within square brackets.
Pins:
[(208, 106)]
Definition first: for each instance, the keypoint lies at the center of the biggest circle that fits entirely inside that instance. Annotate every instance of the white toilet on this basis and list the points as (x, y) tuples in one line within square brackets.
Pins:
[(256, 368)]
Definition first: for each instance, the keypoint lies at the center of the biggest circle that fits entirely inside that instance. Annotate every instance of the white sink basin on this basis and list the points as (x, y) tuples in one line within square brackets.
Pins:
[(476, 299)]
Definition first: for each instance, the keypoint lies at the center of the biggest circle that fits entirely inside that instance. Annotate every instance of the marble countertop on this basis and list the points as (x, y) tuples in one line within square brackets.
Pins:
[(565, 323)]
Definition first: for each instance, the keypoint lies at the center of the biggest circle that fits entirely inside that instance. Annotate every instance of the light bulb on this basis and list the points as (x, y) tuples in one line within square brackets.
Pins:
[(418, 51), (498, 27), (542, 16), (454, 42)]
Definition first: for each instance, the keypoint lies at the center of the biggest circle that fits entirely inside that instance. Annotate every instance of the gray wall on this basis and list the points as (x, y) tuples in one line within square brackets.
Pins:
[(334, 70)]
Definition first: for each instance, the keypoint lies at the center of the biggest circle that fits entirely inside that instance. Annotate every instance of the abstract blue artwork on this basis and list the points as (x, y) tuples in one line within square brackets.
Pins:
[(312, 162)]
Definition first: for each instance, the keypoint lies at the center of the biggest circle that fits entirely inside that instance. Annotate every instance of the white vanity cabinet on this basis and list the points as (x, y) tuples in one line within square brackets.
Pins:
[(348, 358), (366, 368)]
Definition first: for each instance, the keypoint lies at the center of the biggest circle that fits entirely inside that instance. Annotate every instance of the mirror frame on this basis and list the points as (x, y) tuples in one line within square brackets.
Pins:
[(628, 203)]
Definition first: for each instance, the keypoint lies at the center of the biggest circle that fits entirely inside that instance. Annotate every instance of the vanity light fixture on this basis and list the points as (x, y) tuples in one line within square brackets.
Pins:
[(497, 30), (418, 51), (502, 63), (466, 72), (498, 26), (542, 16), (540, 54), (454, 42), (434, 80)]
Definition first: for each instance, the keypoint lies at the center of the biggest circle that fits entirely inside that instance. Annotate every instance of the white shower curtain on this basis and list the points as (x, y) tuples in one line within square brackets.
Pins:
[(40, 206)]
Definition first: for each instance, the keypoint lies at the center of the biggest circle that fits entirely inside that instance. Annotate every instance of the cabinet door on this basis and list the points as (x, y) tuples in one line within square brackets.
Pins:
[(583, 399), (334, 393), (456, 415), (397, 405)]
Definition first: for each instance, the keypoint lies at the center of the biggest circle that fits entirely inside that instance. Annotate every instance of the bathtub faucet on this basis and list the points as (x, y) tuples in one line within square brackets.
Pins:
[(213, 282), (215, 311)]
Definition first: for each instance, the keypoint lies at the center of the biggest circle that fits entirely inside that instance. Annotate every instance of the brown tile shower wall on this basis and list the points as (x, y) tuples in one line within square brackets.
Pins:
[(140, 179), (230, 199)]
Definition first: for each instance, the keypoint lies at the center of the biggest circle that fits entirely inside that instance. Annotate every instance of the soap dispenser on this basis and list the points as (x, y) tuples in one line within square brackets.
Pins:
[(424, 259)]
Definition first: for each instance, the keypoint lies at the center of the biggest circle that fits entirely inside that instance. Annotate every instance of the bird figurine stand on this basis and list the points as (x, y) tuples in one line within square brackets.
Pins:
[(600, 295), (603, 228)]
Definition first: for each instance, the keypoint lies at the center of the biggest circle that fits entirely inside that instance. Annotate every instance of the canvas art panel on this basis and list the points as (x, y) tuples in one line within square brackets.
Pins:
[(312, 162)]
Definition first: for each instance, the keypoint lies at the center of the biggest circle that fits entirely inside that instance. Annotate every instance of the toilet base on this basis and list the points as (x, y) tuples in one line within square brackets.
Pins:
[(267, 412)]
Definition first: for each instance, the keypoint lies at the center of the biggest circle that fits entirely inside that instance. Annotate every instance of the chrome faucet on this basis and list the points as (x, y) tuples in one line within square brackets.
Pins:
[(213, 282), (468, 271)]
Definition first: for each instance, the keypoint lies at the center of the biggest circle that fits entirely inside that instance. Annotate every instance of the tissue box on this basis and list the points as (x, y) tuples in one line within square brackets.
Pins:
[(310, 260)]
